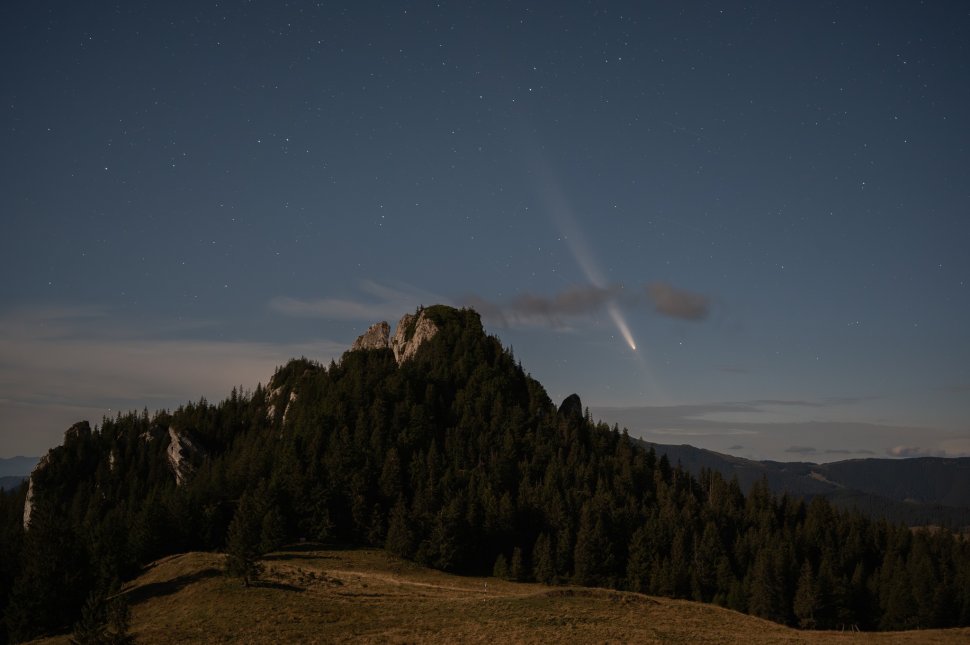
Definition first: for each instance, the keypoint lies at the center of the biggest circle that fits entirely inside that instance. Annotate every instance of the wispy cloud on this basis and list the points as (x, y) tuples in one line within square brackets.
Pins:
[(378, 302), (914, 451), (779, 432), (59, 365)]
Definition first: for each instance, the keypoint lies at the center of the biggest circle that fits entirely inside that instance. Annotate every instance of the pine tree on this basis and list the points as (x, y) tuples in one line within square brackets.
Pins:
[(243, 543), (806, 598), (54, 580), (272, 532), (638, 562), (92, 629), (501, 567), (517, 570), (104, 621), (400, 536), (544, 565)]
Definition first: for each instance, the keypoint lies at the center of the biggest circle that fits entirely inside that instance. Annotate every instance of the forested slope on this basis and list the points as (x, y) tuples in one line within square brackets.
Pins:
[(457, 459)]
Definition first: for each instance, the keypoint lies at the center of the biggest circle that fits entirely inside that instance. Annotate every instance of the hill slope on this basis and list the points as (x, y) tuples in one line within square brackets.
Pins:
[(916, 491), (368, 596), (438, 447)]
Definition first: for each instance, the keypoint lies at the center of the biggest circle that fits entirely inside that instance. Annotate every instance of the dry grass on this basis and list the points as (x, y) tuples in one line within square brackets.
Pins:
[(367, 596)]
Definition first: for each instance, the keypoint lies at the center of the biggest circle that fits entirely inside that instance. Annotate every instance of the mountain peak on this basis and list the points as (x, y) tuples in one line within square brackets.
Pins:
[(412, 331), (376, 337)]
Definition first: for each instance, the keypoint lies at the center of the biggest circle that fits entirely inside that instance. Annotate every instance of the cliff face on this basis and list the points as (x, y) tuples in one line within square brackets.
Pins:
[(374, 338), (412, 332), (29, 502), (183, 455), (77, 432)]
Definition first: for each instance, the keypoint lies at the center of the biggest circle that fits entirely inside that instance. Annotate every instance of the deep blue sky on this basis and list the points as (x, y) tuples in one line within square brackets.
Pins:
[(772, 200)]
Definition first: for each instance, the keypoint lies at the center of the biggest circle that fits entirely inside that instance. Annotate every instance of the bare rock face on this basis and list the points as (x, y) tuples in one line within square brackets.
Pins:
[(29, 502), (376, 337), (272, 395), (183, 454), (412, 332), (288, 404), (80, 430)]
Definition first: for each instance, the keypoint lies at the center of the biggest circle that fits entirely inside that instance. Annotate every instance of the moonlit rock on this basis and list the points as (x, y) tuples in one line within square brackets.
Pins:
[(376, 337), (412, 332), (29, 502), (182, 453)]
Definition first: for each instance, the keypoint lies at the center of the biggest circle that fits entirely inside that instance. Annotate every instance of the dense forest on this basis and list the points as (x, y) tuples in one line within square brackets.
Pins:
[(456, 459)]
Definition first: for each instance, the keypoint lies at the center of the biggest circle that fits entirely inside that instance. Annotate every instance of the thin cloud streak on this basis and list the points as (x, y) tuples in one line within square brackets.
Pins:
[(778, 437), (382, 303), (57, 368)]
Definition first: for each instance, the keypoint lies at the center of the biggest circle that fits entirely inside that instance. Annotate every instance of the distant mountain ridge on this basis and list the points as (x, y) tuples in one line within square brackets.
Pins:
[(17, 466), (916, 491)]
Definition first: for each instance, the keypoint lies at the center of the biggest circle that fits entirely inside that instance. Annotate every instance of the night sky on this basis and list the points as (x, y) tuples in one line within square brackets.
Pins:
[(770, 202)]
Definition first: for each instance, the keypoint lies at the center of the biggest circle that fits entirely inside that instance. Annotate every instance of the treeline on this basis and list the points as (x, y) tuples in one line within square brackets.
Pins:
[(456, 459)]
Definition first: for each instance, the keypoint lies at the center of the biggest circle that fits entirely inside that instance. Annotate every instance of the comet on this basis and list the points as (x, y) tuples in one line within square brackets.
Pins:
[(562, 216)]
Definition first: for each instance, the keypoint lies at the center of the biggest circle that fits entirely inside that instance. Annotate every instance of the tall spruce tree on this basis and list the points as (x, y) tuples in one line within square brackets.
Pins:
[(244, 541)]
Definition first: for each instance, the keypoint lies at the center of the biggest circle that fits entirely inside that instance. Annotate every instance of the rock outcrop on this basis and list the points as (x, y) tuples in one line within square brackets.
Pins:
[(272, 395), (289, 402), (183, 455), (412, 332), (571, 409), (80, 430), (376, 337), (29, 502)]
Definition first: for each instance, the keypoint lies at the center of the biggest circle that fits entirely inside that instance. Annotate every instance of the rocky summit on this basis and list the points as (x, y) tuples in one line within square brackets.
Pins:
[(413, 330), (376, 337)]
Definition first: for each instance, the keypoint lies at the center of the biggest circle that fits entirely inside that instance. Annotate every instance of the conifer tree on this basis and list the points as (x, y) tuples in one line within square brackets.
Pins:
[(517, 569), (544, 565), (243, 542), (806, 598)]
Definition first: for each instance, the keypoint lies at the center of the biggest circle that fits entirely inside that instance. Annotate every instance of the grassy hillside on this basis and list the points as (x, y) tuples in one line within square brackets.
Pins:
[(367, 596)]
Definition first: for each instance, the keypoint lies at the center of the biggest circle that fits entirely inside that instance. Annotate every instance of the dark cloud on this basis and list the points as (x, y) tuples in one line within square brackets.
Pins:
[(677, 303), (843, 451), (531, 309), (736, 447)]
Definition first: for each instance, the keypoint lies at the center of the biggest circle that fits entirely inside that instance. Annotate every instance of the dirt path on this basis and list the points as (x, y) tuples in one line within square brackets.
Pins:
[(411, 583)]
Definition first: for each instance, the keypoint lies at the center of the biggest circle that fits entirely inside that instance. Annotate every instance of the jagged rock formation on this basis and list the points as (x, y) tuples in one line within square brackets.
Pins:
[(571, 408), (412, 332), (289, 402), (29, 502), (376, 337), (183, 453), (80, 430), (272, 395)]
